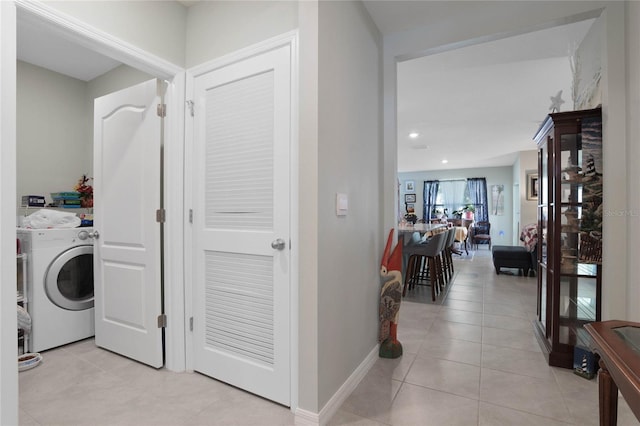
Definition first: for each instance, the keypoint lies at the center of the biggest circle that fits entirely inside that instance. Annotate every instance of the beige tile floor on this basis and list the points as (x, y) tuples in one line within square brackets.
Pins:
[(472, 359)]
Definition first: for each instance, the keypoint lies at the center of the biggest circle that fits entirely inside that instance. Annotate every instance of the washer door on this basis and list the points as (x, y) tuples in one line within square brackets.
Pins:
[(69, 279)]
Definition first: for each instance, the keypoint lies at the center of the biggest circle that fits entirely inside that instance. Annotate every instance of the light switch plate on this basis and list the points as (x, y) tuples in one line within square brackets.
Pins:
[(342, 204)]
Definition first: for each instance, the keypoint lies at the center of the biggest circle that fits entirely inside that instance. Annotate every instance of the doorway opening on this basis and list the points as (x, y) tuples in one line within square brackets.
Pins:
[(468, 111), (129, 63)]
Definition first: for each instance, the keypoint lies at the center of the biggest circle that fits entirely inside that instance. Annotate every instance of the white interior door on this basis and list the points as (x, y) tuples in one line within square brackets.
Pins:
[(241, 225), (127, 267)]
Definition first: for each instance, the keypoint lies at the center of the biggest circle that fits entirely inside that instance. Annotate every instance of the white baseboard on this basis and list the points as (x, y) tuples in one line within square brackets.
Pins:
[(308, 418)]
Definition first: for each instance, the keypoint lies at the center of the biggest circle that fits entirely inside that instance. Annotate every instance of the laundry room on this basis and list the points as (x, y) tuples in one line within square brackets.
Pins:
[(55, 125), (57, 83)]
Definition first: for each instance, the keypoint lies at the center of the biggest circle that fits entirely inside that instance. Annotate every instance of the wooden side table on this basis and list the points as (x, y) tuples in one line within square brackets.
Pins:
[(618, 344)]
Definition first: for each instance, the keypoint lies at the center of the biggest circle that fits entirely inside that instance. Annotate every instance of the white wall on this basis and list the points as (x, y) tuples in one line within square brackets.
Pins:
[(501, 226), (589, 67), (524, 210), (308, 375), (617, 285), (159, 27), (215, 28), (118, 78), (632, 211), (349, 148), (528, 163), (54, 137)]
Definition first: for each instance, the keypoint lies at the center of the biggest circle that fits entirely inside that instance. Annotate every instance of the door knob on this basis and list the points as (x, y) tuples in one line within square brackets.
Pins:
[(278, 244), (95, 235)]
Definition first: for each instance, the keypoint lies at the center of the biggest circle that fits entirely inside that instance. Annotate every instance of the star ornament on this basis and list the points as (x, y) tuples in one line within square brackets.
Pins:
[(556, 102)]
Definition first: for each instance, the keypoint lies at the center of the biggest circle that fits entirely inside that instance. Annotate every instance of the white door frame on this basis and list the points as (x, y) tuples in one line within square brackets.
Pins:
[(291, 39), (8, 322), (90, 37)]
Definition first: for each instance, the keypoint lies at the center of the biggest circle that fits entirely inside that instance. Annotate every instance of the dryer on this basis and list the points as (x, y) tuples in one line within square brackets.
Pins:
[(60, 285)]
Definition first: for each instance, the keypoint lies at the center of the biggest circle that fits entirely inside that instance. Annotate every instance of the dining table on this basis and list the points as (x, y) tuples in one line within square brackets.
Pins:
[(461, 237), (424, 229), (461, 233)]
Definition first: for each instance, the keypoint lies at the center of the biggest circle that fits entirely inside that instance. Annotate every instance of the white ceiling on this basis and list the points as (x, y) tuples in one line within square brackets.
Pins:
[(479, 106), (40, 46), (475, 106)]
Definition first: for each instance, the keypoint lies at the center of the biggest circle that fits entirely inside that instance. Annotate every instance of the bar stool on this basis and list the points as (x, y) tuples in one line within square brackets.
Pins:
[(448, 253), (408, 259), (422, 256), (440, 260)]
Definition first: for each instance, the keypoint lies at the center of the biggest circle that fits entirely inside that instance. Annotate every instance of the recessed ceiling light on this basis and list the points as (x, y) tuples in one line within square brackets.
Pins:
[(445, 161), (414, 135)]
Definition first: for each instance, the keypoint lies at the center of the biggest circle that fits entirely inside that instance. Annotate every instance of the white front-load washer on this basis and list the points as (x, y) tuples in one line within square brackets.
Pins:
[(60, 285)]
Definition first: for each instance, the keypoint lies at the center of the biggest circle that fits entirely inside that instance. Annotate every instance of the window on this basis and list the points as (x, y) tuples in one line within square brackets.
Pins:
[(450, 195)]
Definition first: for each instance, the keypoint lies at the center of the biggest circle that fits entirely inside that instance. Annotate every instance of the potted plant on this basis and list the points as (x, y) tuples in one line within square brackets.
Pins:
[(466, 212), (437, 212), (85, 190), (411, 216)]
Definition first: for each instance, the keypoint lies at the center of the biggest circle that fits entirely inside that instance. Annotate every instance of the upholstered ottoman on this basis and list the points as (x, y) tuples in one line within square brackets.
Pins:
[(511, 257)]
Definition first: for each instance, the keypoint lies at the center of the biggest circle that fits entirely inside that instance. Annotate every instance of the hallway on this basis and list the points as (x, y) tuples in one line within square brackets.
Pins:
[(472, 360)]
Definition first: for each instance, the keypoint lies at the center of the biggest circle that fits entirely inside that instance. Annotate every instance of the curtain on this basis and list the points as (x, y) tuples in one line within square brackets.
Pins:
[(430, 194), (453, 194), (478, 194)]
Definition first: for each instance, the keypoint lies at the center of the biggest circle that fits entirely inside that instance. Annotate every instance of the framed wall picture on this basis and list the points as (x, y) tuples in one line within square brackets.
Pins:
[(409, 198), (409, 186), (497, 198), (532, 186)]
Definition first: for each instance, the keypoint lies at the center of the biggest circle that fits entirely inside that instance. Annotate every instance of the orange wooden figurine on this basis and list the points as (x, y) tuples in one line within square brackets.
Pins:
[(390, 297)]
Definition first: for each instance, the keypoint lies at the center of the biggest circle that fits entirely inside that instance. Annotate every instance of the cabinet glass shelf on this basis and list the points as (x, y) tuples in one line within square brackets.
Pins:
[(569, 230)]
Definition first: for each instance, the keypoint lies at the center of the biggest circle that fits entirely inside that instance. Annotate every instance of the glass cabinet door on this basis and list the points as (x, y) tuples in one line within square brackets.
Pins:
[(543, 200), (543, 229), (569, 214), (578, 274)]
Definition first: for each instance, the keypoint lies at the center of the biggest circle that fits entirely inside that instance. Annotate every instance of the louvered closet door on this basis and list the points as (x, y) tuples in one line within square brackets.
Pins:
[(242, 122)]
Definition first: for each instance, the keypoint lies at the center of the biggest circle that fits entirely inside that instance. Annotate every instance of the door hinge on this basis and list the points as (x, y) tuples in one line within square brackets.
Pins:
[(161, 215), (162, 110), (162, 321), (191, 324), (190, 215), (190, 106)]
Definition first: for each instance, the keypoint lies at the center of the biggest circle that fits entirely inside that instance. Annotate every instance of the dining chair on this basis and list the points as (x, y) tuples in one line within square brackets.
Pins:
[(482, 233)]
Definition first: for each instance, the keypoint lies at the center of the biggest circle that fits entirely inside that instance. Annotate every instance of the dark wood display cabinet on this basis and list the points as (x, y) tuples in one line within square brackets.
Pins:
[(569, 231)]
